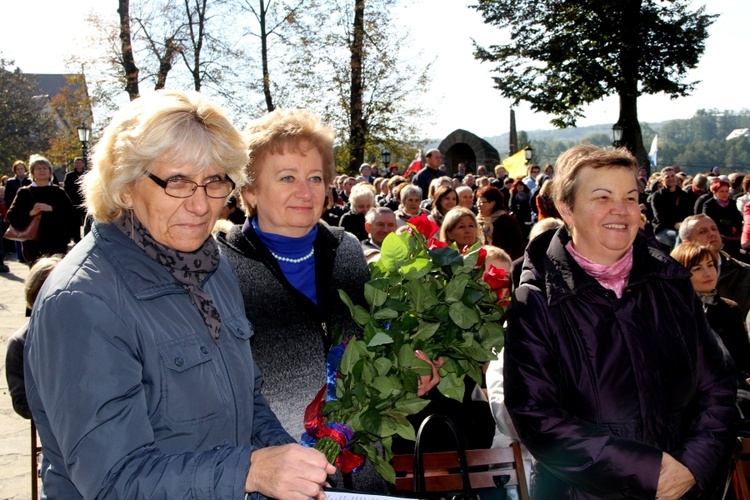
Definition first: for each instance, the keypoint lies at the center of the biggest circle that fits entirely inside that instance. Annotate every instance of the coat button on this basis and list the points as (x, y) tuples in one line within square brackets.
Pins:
[(204, 349), (179, 361)]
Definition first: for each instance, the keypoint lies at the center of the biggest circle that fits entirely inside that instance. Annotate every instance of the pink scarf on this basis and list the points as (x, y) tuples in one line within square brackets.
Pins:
[(613, 277)]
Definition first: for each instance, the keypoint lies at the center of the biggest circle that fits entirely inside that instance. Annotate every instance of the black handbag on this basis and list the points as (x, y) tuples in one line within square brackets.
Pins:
[(466, 493)]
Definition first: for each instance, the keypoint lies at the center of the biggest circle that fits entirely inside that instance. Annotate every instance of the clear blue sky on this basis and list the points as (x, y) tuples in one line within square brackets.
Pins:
[(39, 34)]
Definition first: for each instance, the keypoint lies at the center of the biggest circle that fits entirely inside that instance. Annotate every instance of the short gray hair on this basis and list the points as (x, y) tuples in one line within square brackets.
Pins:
[(370, 215), (411, 189)]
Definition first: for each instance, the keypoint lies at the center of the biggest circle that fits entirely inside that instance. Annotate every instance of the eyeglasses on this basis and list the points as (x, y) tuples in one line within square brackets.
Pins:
[(183, 188)]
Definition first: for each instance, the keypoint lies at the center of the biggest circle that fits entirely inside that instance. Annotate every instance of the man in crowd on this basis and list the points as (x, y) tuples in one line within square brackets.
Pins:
[(461, 171), (433, 160), (72, 187), (695, 190), (670, 207), (379, 223), (734, 276)]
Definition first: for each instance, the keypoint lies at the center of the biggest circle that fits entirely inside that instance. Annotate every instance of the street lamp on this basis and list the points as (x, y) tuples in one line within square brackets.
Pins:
[(528, 152), (385, 158), (84, 136), (617, 130)]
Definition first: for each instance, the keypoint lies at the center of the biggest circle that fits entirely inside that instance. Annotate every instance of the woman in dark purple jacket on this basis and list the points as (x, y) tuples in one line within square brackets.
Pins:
[(613, 378)]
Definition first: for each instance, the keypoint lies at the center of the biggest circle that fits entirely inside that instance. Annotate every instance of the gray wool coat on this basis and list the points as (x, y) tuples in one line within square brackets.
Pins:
[(292, 334)]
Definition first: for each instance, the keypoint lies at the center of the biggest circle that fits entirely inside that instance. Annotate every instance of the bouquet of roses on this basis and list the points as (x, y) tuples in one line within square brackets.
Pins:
[(425, 296)]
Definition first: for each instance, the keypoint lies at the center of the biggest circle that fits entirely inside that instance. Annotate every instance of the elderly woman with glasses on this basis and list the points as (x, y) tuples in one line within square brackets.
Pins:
[(139, 375)]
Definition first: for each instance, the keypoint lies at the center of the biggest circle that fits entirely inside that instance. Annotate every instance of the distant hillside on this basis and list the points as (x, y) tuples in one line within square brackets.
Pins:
[(577, 134)]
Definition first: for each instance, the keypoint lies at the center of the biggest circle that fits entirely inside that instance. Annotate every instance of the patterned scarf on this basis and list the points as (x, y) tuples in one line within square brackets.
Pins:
[(613, 277), (708, 299), (190, 269)]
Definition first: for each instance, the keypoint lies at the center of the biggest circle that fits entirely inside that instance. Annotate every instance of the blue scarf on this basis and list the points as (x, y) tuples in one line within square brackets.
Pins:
[(301, 275)]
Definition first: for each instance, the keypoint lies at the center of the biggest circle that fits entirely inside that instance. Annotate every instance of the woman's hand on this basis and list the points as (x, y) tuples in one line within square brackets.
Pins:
[(289, 471), (427, 382), (674, 479), (40, 207)]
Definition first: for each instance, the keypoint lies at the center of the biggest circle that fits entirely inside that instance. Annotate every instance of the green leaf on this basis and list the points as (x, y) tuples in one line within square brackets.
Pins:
[(446, 257), (472, 296), (385, 313), (421, 367), (406, 355), (380, 338), (416, 295), (426, 330), (384, 384), (404, 427), (463, 316), (350, 357), (396, 305), (416, 269), (452, 386), (384, 468), (455, 288), (412, 404), (371, 421), (382, 366), (410, 379), (376, 292), (394, 251)]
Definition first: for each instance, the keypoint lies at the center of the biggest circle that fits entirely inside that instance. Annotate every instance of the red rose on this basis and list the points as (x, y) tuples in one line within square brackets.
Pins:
[(481, 257), (424, 225), (434, 244), (495, 277)]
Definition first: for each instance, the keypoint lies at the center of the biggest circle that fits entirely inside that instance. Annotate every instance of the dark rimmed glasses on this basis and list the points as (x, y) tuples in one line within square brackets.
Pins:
[(184, 188)]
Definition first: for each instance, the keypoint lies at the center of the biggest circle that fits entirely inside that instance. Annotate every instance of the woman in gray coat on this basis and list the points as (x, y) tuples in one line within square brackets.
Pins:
[(139, 371)]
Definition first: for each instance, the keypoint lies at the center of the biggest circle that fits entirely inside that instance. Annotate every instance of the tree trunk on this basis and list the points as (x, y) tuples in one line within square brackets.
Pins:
[(632, 138), (264, 56), (358, 125), (165, 63), (128, 61)]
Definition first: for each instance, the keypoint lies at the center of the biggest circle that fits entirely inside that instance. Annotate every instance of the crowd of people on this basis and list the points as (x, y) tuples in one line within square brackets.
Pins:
[(202, 342)]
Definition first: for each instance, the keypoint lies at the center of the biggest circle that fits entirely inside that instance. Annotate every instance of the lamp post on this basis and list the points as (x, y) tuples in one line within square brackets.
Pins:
[(385, 158), (617, 130), (528, 152), (84, 136)]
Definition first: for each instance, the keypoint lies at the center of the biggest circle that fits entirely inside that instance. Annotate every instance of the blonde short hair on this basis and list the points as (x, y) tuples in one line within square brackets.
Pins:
[(174, 127), (570, 163), (35, 160), (451, 220), (288, 130)]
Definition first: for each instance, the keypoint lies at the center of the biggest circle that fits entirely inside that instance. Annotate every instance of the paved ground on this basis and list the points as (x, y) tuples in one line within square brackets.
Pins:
[(15, 442)]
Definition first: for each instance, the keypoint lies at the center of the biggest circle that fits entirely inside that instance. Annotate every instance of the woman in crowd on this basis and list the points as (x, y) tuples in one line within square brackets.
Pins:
[(43, 197), (460, 227), (361, 200), (724, 213), (291, 266), (444, 199), (139, 373), (613, 378), (520, 207), (745, 238), (498, 227), (14, 357), (723, 315), (410, 196), (545, 205)]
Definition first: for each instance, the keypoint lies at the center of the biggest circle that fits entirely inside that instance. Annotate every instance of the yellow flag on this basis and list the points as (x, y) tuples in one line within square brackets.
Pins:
[(516, 165)]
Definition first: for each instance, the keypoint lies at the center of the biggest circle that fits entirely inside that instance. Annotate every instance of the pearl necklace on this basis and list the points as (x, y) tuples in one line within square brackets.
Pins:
[(295, 261)]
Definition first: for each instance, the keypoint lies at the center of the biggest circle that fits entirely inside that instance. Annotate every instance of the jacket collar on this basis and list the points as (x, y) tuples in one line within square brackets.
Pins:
[(144, 277), (326, 244), (549, 267)]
